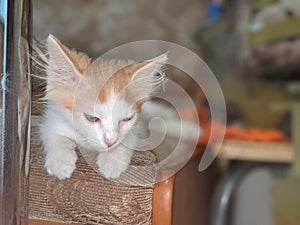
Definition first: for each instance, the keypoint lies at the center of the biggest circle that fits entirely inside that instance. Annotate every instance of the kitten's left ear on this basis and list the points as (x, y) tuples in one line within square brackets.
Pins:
[(61, 64), (150, 74)]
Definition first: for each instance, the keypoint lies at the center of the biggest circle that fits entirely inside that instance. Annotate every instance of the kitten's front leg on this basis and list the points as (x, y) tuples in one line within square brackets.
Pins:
[(112, 163), (60, 160)]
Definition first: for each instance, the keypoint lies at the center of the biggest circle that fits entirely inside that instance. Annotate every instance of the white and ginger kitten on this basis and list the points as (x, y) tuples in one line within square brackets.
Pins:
[(93, 104)]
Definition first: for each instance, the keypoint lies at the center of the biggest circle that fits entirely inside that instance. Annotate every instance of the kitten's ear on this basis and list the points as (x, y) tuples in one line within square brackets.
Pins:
[(61, 67), (149, 75)]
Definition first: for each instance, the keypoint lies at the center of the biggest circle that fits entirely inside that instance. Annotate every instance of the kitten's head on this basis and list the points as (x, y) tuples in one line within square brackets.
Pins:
[(102, 98)]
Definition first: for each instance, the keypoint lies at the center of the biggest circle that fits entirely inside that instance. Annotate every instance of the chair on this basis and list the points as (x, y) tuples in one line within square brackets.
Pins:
[(88, 198)]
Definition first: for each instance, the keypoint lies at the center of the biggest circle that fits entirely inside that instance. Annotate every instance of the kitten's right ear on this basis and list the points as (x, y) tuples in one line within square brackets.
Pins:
[(60, 66)]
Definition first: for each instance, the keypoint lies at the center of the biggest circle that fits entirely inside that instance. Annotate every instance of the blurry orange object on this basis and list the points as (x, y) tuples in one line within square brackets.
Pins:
[(251, 134), (206, 124), (255, 134)]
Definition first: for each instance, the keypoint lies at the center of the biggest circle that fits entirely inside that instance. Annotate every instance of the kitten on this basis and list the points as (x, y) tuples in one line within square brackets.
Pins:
[(93, 104)]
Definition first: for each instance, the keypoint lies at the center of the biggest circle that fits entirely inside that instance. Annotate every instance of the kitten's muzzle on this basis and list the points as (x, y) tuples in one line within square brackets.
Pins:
[(110, 142)]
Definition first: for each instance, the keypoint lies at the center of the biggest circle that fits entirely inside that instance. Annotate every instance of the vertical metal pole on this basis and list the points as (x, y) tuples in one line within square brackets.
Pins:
[(15, 110)]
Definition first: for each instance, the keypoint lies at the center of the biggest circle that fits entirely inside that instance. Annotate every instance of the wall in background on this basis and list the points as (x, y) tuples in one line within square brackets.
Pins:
[(95, 26)]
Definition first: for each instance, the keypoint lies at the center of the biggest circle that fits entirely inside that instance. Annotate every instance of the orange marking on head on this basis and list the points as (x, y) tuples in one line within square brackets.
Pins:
[(118, 82), (64, 98), (104, 77)]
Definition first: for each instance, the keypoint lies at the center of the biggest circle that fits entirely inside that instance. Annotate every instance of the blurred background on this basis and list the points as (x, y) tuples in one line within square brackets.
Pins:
[(253, 48), (96, 26)]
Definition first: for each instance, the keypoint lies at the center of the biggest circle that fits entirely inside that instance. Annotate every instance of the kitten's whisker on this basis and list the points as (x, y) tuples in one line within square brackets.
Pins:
[(40, 103), (36, 76), (35, 60)]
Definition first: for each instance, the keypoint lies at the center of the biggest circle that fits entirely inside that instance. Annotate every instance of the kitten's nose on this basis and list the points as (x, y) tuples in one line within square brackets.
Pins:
[(110, 142)]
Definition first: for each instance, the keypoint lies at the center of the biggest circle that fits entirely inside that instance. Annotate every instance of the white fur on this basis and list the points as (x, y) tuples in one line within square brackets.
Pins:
[(61, 131), (57, 137)]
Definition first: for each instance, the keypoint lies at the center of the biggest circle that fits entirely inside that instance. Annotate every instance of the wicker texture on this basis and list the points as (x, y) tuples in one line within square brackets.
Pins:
[(88, 198)]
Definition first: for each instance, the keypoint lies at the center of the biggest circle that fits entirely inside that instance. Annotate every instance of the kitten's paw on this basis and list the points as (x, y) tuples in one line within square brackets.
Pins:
[(61, 164), (110, 167)]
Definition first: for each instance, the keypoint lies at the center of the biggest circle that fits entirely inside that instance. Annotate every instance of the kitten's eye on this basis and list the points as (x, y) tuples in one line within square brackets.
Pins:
[(128, 118), (90, 118)]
